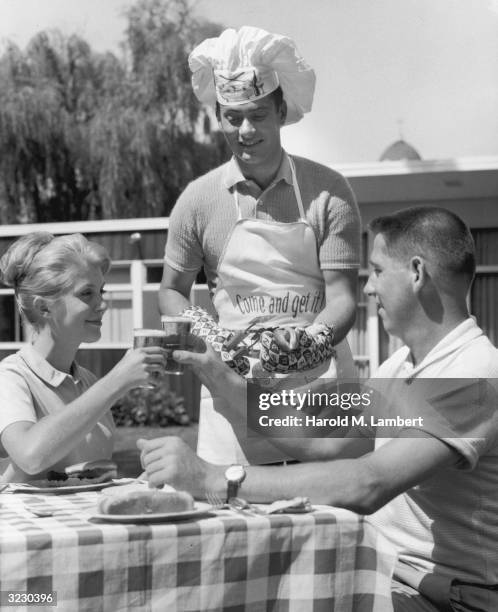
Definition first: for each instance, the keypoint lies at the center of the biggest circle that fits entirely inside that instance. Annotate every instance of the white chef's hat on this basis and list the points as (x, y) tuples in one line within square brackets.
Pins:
[(244, 65)]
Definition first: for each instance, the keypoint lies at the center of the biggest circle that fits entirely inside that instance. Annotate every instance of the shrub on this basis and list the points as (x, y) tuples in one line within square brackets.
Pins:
[(157, 407)]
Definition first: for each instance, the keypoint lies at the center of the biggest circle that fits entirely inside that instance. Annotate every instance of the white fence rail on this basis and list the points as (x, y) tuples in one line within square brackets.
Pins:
[(132, 303)]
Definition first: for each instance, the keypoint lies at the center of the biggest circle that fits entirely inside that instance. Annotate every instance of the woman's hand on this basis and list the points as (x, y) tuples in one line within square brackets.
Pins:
[(138, 367)]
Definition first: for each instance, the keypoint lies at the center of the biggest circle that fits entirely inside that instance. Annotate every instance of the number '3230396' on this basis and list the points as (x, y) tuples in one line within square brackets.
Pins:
[(14, 598)]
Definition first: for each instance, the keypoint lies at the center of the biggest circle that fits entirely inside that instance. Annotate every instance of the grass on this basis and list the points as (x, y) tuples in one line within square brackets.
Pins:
[(126, 454)]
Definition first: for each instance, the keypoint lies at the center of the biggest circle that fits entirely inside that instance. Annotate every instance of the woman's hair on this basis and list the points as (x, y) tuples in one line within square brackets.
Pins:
[(42, 265)]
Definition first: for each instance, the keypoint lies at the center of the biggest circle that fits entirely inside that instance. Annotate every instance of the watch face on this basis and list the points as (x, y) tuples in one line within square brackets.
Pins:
[(235, 472)]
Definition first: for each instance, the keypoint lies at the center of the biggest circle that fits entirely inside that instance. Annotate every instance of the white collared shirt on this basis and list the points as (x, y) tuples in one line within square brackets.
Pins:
[(448, 524), (465, 352), (30, 388)]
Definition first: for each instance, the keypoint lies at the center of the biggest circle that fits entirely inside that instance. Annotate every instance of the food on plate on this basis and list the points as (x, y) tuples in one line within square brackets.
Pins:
[(150, 501), (87, 472), (297, 504)]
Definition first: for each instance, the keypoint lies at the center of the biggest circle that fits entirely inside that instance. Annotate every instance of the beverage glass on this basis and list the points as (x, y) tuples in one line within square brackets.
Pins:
[(149, 337), (177, 330)]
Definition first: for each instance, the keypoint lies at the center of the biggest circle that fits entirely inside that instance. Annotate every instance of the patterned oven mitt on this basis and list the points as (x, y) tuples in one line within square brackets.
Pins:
[(314, 345), (205, 327)]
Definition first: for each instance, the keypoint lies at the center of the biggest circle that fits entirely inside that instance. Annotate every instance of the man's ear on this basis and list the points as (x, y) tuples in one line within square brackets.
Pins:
[(283, 112), (418, 268)]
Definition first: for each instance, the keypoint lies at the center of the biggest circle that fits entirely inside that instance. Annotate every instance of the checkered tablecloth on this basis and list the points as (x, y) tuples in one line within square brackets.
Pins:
[(328, 560)]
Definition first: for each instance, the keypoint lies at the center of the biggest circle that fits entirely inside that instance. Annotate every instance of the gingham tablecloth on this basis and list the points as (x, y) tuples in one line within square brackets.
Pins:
[(329, 560)]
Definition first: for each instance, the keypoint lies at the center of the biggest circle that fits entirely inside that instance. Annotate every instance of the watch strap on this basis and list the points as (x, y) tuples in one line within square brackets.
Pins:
[(232, 489), (234, 475)]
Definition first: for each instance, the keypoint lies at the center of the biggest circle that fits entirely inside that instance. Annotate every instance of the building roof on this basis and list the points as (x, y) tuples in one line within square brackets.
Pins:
[(400, 150)]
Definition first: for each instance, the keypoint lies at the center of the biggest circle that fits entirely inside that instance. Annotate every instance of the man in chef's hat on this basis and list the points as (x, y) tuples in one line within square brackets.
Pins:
[(277, 235)]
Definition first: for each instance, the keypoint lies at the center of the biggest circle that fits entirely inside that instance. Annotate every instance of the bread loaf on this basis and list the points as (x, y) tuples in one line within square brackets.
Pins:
[(146, 502)]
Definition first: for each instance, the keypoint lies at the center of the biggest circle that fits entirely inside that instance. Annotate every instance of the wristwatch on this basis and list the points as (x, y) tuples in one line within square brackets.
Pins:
[(234, 475)]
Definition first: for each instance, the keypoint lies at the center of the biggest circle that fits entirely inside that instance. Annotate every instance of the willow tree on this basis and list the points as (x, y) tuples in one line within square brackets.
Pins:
[(154, 138), (86, 135), (48, 98)]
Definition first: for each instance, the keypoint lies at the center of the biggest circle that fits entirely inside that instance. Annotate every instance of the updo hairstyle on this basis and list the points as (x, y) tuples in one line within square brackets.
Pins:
[(42, 265)]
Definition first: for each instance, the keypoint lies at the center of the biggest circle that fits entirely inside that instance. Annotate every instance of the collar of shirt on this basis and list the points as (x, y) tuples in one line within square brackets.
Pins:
[(234, 177), (40, 366), (465, 332)]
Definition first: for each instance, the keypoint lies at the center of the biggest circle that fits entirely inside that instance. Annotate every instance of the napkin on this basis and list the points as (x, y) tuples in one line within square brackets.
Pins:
[(296, 504)]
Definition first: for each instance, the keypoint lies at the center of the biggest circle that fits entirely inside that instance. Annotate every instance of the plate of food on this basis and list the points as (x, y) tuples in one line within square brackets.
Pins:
[(86, 476), (149, 506)]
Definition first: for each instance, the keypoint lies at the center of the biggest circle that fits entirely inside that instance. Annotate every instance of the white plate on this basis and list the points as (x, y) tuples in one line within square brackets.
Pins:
[(200, 509), (36, 487)]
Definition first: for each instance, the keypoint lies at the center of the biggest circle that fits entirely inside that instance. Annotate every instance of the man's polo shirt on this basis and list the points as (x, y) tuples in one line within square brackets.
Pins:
[(447, 526)]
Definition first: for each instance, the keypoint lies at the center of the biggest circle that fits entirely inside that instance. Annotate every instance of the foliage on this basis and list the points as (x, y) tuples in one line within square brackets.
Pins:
[(158, 407), (86, 135)]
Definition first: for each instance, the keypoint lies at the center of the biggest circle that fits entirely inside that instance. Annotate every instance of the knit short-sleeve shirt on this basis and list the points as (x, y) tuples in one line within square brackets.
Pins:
[(205, 214)]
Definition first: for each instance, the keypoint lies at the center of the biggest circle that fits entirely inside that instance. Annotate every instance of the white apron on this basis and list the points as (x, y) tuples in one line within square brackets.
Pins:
[(266, 268)]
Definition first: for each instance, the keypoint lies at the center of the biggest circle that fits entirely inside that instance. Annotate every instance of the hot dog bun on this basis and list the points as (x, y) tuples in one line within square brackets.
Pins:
[(87, 472), (146, 502)]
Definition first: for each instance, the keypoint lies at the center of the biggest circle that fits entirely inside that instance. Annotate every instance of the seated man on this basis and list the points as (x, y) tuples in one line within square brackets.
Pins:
[(431, 489)]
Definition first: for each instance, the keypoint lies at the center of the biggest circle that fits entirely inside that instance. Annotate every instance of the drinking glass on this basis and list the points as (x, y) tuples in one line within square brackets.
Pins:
[(149, 337), (176, 331)]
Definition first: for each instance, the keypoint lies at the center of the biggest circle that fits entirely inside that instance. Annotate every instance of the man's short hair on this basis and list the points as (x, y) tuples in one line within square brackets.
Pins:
[(436, 234), (277, 95)]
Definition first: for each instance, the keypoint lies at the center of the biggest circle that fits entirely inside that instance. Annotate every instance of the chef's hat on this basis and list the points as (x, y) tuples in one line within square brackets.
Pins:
[(245, 65)]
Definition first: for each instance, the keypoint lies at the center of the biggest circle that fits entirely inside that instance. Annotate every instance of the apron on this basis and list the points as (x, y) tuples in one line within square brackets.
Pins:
[(266, 268)]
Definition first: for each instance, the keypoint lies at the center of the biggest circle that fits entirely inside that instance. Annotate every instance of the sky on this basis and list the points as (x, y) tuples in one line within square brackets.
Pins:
[(423, 69)]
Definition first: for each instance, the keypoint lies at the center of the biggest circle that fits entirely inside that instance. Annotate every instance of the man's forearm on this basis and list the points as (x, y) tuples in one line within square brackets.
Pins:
[(341, 314), (323, 449), (343, 483), (363, 485), (340, 301)]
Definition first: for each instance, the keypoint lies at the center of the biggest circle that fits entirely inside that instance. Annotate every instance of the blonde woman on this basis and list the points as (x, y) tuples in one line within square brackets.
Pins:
[(53, 412)]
